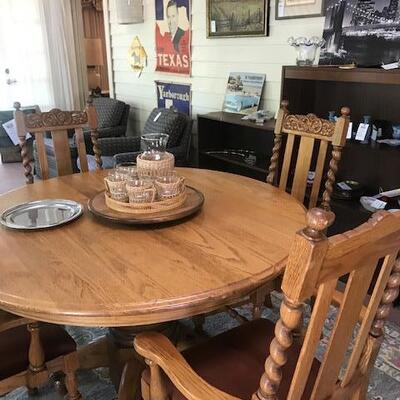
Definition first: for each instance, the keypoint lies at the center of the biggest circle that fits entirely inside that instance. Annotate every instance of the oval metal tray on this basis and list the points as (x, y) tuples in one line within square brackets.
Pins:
[(42, 214)]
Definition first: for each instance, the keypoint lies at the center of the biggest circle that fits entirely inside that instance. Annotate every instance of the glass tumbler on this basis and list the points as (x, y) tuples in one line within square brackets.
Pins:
[(140, 190), (169, 186), (126, 170), (116, 187)]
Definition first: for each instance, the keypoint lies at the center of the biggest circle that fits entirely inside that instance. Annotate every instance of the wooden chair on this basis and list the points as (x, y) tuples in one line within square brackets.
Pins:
[(31, 363), (58, 123), (311, 130), (24, 361), (229, 366)]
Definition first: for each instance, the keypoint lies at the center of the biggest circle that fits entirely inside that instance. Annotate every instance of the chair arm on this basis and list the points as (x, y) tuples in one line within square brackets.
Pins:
[(10, 321), (115, 145), (157, 348), (112, 131)]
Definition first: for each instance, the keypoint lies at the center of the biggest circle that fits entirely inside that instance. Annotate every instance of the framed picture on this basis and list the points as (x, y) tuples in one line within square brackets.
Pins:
[(367, 36), (236, 18), (286, 9)]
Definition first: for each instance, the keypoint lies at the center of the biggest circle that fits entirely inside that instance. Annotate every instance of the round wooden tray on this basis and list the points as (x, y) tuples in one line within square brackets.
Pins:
[(193, 203)]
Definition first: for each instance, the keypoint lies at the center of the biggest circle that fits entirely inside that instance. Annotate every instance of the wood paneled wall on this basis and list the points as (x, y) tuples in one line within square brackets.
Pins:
[(212, 60), (93, 26)]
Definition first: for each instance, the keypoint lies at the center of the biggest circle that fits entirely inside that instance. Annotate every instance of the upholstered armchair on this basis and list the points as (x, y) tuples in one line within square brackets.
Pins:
[(112, 119), (9, 152), (176, 124)]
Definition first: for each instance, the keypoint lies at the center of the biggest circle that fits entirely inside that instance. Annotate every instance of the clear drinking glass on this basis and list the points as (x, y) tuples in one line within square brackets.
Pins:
[(154, 146), (140, 190), (116, 187), (169, 186), (126, 170)]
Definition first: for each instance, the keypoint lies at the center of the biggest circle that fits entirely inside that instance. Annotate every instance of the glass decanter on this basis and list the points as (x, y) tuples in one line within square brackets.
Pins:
[(306, 49), (154, 145)]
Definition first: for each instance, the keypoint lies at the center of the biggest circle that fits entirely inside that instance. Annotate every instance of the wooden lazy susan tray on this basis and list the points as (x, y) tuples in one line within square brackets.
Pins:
[(104, 207)]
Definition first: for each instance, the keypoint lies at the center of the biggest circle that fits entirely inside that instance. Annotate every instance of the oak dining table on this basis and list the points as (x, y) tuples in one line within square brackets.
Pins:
[(95, 273)]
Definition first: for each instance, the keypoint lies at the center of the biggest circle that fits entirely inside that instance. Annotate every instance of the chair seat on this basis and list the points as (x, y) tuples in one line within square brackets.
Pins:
[(14, 346), (234, 361)]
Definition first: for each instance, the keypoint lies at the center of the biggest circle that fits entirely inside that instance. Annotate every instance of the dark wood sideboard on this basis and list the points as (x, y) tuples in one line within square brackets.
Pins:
[(372, 92)]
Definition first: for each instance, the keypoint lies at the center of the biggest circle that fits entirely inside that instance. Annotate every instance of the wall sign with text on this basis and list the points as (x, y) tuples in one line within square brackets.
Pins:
[(175, 95), (173, 36)]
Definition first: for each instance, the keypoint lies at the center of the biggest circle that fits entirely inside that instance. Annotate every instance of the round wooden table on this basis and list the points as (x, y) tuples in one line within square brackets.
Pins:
[(94, 273)]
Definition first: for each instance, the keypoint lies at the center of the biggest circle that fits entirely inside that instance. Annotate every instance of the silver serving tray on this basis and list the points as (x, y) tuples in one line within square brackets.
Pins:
[(42, 214)]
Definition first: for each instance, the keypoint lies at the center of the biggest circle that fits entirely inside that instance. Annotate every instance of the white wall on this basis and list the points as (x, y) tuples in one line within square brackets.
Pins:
[(212, 60)]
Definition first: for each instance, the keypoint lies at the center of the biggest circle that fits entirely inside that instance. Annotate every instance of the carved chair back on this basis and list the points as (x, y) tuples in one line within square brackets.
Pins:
[(58, 123), (311, 130), (314, 266)]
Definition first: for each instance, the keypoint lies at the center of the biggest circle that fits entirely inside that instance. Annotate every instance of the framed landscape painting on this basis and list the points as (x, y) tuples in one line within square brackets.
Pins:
[(235, 18)]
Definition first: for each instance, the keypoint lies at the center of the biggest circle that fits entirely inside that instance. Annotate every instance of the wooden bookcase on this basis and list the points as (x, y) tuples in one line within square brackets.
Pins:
[(318, 90), (225, 131)]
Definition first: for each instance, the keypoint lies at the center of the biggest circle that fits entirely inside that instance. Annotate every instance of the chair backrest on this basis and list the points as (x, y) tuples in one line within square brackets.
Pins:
[(311, 130), (58, 123), (314, 266), (169, 121)]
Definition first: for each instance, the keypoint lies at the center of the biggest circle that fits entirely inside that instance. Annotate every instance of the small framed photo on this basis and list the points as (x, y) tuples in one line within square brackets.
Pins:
[(287, 9), (233, 18)]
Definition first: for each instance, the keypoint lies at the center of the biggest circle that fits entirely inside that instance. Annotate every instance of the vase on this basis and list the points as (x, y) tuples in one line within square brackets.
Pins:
[(306, 49)]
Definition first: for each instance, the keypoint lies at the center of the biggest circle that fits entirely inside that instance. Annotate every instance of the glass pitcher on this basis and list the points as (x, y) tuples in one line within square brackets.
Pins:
[(154, 145)]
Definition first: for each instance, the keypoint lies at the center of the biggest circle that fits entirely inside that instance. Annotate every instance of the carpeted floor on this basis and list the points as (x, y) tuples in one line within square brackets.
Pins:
[(95, 385)]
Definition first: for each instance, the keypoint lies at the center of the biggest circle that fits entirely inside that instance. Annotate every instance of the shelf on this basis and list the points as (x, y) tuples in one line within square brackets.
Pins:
[(236, 119), (359, 75), (227, 159)]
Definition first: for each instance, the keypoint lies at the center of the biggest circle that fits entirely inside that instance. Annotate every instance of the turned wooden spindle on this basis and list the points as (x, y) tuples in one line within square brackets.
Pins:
[(273, 167), (337, 149), (158, 387), (36, 357), (36, 352), (291, 311), (389, 296), (94, 134), (72, 387), (26, 160)]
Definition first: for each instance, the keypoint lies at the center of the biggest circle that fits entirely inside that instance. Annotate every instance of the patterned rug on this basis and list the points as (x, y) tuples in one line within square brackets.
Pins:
[(95, 385)]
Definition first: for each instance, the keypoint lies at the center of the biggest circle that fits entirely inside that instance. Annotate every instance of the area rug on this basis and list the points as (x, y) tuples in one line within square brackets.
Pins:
[(95, 385)]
